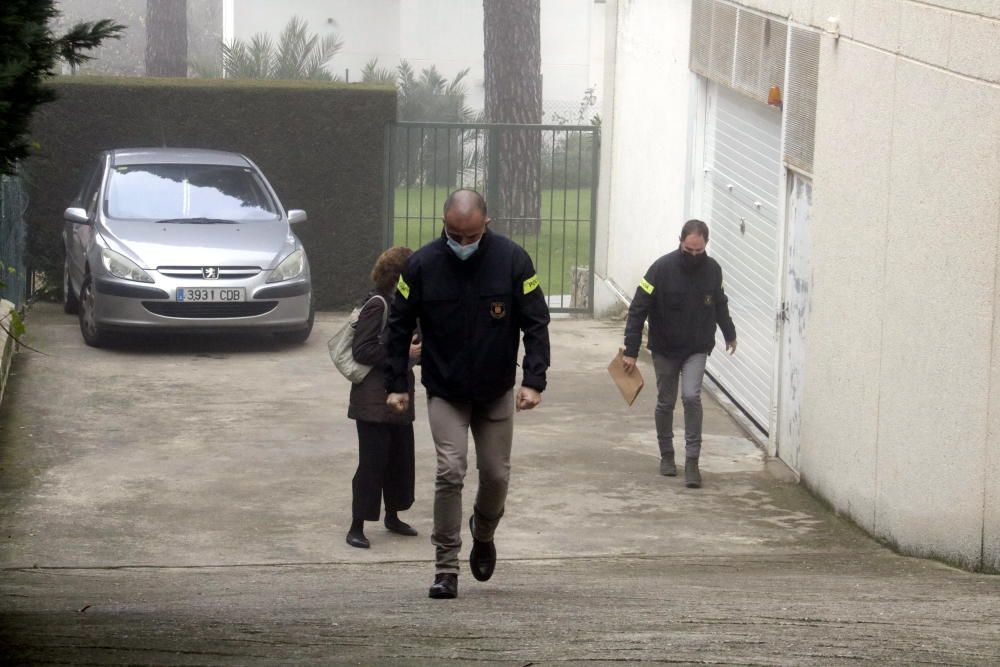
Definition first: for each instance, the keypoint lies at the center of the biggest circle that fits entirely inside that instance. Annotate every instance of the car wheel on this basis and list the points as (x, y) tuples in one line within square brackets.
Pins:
[(92, 333), (70, 301), (298, 336)]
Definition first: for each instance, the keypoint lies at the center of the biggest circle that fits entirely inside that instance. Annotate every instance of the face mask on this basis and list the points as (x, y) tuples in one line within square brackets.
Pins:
[(463, 252), (692, 262)]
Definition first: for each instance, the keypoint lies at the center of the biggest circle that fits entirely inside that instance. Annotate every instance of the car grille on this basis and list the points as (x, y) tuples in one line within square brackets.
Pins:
[(195, 272), (207, 310)]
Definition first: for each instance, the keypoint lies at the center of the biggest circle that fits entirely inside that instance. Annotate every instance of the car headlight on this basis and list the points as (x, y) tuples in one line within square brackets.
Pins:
[(290, 267), (121, 266)]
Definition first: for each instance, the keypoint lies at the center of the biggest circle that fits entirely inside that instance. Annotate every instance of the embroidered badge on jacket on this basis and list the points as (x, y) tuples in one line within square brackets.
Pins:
[(498, 309)]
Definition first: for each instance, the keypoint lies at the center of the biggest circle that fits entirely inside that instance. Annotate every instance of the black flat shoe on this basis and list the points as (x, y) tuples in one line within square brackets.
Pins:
[(445, 587), (482, 558), (358, 540), (400, 528)]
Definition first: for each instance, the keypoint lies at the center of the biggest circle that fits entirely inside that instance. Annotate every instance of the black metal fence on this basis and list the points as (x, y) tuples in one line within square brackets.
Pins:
[(540, 183), (14, 273)]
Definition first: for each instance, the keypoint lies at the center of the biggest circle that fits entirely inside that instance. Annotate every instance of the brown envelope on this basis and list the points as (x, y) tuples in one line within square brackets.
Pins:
[(629, 384)]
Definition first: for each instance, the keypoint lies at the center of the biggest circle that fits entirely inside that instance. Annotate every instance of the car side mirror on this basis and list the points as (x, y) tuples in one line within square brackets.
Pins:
[(76, 215), (296, 216)]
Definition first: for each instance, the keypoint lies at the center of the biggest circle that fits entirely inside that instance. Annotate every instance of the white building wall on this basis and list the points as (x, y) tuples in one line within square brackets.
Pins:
[(941, 264), (839, 457), (900, 428), (645, 163), (991, 471), (606, 299), (901, 406), (598, 29)]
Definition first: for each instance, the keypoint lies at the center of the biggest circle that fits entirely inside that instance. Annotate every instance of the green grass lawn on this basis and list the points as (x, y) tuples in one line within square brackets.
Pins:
[(562, 243)]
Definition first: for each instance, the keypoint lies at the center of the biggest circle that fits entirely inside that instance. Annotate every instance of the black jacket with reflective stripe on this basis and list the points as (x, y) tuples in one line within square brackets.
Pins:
[(471, 316), (683, 308)]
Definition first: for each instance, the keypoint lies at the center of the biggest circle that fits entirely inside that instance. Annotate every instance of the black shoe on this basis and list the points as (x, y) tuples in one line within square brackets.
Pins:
[(692, 476), (667, 466), (400, 527), (358, 540), (482, 558), (445, 587)]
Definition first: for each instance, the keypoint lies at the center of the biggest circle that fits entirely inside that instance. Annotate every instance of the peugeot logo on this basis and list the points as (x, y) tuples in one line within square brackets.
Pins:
[(210, 272)]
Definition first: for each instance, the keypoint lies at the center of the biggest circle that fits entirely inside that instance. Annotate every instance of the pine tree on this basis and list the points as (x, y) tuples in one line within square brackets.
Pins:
[(29, 52), (513, 66), (166, 38)]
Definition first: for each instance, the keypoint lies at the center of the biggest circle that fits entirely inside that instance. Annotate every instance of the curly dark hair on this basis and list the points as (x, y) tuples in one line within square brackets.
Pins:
[(388, 266)]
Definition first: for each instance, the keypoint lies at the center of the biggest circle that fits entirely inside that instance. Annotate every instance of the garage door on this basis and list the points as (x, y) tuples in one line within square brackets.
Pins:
[(741, 169)]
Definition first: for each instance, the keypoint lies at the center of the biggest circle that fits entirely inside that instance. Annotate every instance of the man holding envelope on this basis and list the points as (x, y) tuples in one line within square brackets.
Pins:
[(682, 296)]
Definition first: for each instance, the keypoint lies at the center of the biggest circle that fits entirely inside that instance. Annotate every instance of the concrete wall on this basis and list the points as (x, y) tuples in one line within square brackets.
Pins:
[(900, 413), (645, 152), (7, 345)]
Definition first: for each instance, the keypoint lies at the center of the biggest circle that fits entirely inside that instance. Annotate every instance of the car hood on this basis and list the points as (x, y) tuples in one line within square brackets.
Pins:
[(153, 244)]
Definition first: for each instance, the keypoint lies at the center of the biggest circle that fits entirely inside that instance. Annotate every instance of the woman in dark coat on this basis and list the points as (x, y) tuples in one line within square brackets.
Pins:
[(385, 437)]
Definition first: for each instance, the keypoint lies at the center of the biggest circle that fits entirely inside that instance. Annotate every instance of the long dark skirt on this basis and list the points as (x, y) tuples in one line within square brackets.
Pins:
[(385, 469)]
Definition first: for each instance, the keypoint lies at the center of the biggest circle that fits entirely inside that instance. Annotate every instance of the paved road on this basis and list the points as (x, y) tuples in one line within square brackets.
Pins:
[(184, 501)]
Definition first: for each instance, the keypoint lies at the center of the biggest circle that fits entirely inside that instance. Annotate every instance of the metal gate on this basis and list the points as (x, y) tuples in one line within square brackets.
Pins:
[(15, 283), (553, 219)]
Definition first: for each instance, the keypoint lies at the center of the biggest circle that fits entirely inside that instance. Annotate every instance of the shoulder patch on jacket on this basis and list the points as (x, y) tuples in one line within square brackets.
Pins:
[(531, 284), (403, 288), (646, 286)]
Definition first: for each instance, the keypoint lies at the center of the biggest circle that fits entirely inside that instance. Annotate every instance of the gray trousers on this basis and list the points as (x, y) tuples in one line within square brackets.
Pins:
[(691, 372), (492, 426)]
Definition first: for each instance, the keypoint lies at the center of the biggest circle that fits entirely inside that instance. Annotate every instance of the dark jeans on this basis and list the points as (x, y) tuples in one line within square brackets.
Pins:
[(385, 469), (691, 373)]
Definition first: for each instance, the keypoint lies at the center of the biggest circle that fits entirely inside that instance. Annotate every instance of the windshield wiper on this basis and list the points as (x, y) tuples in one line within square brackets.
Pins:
[(199, 221)]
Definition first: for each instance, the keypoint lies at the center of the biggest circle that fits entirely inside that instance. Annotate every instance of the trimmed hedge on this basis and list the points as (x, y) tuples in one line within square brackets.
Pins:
[(320, 144)]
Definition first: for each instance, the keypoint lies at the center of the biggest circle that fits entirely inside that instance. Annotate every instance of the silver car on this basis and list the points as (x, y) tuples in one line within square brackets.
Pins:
[(183, 239)]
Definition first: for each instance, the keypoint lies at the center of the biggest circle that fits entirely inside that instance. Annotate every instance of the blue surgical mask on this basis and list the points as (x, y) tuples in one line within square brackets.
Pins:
[(463, 252)]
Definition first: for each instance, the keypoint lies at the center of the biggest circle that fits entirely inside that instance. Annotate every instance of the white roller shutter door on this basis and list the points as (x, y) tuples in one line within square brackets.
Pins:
[(741, 169)]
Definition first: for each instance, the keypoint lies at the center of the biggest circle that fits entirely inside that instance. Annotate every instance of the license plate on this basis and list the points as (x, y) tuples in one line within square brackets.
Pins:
[(210, 294)]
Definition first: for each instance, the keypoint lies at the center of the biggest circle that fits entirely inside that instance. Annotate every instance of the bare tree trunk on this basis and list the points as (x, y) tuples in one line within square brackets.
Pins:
[(166, 38), (513, 64)]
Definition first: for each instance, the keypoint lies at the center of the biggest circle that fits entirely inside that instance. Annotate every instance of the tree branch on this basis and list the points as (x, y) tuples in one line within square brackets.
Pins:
[(84, 37)]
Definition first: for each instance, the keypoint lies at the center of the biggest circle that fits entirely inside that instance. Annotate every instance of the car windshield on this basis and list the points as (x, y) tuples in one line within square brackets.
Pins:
[(179, 192)]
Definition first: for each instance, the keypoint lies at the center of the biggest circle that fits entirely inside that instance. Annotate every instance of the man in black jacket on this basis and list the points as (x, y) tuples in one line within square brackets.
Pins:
[(473, 292), (682, 295)]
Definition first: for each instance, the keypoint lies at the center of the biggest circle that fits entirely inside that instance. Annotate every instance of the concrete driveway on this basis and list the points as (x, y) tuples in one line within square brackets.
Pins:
[(184, 501)]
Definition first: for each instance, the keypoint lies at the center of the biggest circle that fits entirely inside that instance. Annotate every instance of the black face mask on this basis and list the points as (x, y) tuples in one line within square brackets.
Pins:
[(692, 262)]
